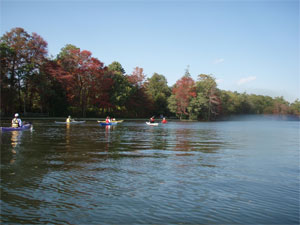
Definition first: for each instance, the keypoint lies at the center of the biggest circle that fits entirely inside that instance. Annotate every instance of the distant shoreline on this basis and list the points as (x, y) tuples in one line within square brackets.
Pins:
[(250, 117)]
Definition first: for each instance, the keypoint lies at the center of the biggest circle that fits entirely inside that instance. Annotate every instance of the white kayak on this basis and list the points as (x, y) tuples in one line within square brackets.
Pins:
[(73, 122), (152, 124)]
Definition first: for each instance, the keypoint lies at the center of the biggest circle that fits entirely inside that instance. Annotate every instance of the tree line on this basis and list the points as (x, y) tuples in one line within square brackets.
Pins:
[(76, 83)]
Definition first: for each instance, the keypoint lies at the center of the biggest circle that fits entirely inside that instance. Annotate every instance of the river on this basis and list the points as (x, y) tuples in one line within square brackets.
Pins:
[(229, 172)]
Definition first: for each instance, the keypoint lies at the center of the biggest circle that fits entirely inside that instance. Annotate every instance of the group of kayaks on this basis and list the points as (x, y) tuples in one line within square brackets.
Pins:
[(104, 123), (101, 123)]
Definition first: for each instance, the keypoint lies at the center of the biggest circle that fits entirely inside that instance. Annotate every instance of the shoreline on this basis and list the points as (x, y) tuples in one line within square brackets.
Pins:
[(250, 117)]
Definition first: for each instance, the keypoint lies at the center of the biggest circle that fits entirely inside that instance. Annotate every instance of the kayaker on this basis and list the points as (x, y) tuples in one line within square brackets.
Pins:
[(16, 122), (107, 120), (164, 120), (152, 120), (69, 119)]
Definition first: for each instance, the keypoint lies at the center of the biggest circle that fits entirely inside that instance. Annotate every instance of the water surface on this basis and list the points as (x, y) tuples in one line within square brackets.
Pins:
[(182, 172)]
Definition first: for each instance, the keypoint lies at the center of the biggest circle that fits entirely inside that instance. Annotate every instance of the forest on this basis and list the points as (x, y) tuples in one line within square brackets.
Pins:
[(78, 84)]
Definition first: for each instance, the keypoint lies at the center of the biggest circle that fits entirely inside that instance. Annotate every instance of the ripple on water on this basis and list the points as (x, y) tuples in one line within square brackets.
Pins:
[(179, 173)]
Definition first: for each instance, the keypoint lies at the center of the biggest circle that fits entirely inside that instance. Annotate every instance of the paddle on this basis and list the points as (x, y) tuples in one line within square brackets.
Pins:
[(25, 122)]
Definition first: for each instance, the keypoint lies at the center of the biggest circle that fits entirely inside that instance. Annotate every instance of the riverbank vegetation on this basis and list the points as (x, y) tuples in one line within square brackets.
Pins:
[(76, 83)]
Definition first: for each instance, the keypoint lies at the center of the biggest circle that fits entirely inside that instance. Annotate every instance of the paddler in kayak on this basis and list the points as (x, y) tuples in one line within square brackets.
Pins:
[(152, 120), (107, 120), (164, 120), (69, 119), (16, 122)]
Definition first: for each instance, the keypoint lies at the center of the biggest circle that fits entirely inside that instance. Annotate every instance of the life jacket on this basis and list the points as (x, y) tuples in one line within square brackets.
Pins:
[(15, 122), (107, 121), (68, 120)]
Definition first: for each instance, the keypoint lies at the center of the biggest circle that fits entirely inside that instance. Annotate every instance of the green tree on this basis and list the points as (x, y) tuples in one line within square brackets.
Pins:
[(8, 101), (281, 106), (234, 103), (207, 87), (295, 108), (243, 104), (227, 105), (197, 106), (158, 90), (27, 52), (172, 104), (121, 88), (116, 68), (67, 57)]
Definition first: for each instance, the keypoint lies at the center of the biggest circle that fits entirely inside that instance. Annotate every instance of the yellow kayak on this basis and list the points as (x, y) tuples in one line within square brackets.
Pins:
[(112, 121)]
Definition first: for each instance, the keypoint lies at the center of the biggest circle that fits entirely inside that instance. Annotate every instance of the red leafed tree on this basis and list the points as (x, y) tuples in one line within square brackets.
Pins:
[(101, 89), (84, 86), (183, 91), (50, 94), (139, 103), (137, 77)]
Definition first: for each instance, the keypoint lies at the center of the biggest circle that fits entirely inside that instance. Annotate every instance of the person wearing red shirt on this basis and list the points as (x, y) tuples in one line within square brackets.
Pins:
[(152, 120)]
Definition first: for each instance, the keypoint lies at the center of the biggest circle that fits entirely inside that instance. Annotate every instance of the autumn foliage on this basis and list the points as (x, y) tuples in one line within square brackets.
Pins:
[(184, 91), (77, 83)]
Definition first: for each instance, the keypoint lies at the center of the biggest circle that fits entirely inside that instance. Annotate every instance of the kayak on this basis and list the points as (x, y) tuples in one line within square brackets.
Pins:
[(107, 124), (24, 127), (152, 124), (115, 121), (73, 122)]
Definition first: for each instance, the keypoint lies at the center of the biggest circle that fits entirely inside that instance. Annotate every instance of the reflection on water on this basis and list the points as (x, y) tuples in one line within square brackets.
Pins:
[(183, 142), (107, 137), (68, 135), (15, 138), (222, 172)]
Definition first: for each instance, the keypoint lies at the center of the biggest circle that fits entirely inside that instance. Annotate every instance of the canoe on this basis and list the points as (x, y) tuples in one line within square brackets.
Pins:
[(152, 124), (107, 124), (73, 122), (24, 127), (116, 121)]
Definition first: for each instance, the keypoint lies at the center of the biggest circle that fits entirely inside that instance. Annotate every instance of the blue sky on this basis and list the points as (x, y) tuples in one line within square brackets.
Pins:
[(250, 46)]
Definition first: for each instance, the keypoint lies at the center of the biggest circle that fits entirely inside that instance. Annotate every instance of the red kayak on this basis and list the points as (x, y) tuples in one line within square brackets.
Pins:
[(24, 127)]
